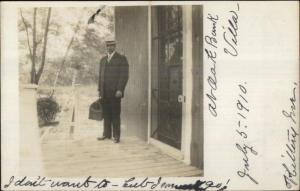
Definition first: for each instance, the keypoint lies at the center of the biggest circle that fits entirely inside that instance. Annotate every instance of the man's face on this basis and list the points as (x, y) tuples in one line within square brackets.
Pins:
[(110, 48)]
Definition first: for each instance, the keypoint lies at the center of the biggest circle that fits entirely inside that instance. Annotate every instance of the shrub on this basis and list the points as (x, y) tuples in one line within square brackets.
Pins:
[(47, 108)]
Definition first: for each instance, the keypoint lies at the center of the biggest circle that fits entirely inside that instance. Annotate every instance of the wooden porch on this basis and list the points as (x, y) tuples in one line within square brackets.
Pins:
[(75, 152), (132, 157)]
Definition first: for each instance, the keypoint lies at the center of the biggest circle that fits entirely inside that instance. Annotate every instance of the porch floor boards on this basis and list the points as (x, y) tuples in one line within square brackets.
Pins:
[(77, 153), (130, 157)]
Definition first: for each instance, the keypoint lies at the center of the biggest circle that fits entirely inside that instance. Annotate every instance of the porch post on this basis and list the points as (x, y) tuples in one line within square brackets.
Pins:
[(149, 74), (30, 145), (187, 83)]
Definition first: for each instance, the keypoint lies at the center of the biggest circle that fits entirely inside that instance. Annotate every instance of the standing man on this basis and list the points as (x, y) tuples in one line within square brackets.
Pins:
[(113, 77)]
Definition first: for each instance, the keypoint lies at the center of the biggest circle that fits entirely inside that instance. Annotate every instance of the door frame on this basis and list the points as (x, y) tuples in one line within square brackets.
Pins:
[(187, 79)]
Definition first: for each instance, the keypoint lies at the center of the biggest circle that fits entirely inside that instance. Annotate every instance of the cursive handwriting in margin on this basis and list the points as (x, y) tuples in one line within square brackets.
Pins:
[(289, 164), (199, 185), (45, 182), (131, 183), (230, 33), (242, 105), (211, 41)]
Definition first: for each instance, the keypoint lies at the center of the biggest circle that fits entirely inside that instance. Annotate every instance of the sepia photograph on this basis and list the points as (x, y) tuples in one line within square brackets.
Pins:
[(106, 91), (150, 95)]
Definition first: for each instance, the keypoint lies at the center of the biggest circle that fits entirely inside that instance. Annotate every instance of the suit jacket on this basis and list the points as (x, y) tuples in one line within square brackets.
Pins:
[(113, 75)]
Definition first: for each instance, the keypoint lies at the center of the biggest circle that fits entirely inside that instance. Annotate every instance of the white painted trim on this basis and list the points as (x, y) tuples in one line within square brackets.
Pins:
[(29, 86), (187, 84), (149, 73), (171, 151)]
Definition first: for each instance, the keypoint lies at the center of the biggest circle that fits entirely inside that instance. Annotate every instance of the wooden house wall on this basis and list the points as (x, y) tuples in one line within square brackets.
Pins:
[(131, 32)]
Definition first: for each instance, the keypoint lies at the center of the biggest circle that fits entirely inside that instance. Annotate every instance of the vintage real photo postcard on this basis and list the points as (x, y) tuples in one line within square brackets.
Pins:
[(150, 95)]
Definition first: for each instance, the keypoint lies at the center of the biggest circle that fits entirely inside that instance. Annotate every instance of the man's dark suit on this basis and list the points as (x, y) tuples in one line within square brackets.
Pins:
[(113, 76)]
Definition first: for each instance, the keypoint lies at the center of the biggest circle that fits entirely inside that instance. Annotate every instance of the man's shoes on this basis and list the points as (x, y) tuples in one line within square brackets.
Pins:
[(102, 138), (116, 140)]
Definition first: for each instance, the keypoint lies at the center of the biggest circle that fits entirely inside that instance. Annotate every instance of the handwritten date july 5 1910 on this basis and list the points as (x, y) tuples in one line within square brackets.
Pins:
[(242, 105)]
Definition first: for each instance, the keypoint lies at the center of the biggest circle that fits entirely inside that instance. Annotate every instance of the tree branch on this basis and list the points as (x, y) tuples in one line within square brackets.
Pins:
[(33, 73), (27, 35), (66, 53), (40, 71)]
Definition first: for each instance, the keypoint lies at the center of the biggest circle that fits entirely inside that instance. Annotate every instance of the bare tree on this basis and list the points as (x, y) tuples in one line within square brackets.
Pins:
[(40, 71), (27, 35), (33, 73), (35, 76), (84, 46)]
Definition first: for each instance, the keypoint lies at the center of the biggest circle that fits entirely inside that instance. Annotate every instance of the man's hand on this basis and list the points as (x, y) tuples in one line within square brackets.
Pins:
[(99, 95), (118, 94)]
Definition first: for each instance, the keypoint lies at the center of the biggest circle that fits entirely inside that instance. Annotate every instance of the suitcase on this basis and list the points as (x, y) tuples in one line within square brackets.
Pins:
[(96, 111)]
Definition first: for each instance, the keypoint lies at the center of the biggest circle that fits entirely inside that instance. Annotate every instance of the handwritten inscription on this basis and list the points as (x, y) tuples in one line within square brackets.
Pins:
[(230, 36), (199, 185), (131, 183), (43, 181), (289, 164), (242, 106), (230, 33), (211, 54)]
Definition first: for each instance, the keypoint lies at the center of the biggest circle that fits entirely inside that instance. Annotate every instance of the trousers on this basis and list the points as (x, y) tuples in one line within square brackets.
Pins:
[(111, 115)]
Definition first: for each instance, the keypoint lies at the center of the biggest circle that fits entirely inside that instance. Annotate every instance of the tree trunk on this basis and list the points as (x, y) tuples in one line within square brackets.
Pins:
[(27, 35), (40, 71), (33, 73)]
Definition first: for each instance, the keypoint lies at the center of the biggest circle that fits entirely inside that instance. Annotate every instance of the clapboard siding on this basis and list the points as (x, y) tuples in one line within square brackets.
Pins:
[(131, 30)]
